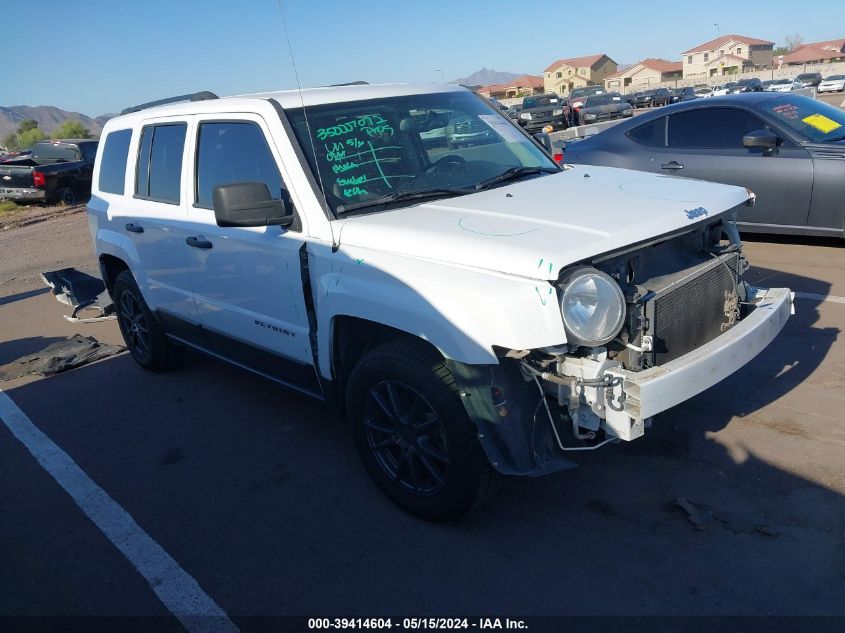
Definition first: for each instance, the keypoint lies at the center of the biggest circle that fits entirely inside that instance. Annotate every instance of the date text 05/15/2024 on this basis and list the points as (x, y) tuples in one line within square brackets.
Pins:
[(416, 624)]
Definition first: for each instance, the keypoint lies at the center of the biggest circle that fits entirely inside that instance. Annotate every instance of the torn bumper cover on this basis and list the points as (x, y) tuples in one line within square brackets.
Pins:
[(519, 434), (646, 393), (654, 390)]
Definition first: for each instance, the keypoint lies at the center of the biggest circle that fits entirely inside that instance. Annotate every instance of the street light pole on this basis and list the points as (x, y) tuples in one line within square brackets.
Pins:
[(442, 76), (717, 30)]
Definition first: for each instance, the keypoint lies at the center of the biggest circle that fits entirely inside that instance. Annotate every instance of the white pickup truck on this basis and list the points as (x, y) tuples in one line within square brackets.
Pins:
[(472, 312)]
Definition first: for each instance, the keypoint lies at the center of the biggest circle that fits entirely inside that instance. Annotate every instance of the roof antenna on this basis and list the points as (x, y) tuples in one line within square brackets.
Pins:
[(335, 245)]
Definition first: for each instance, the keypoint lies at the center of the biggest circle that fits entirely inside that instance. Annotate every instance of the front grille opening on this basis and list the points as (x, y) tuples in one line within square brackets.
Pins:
[(691, 313)]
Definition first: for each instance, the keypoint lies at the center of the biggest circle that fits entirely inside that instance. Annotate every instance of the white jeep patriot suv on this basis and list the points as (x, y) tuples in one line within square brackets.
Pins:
[(412, 256)]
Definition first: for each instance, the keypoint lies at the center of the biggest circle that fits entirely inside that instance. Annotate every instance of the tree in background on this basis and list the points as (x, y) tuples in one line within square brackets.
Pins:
[(27, 135), (793, 42), (31, 137), (27, 125), (71, 129)]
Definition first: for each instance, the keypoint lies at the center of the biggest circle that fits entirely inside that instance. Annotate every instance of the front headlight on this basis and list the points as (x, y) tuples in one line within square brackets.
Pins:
[(593, 307), (557, 112), (525, 116)]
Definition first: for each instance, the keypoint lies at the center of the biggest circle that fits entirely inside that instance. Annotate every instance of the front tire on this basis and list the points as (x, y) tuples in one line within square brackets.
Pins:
[(144, 337), (413, 434)]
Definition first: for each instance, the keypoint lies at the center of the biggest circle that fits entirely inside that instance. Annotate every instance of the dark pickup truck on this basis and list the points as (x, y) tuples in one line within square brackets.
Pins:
[(538, 111), (55, 171)]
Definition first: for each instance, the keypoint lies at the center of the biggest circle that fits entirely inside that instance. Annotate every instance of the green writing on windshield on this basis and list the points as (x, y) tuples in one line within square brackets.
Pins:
[(369, 124), (362, 154)]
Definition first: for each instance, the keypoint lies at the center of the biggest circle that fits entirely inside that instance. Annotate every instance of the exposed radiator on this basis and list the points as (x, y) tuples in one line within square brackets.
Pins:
[(691, 311)]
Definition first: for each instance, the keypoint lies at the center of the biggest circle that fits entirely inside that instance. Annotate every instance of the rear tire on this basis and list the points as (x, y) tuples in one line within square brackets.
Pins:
[(413, 434), (144, 337), (66, 196)]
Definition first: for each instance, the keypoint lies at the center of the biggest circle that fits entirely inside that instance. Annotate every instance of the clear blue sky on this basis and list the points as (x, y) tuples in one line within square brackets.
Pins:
[(98, 56)]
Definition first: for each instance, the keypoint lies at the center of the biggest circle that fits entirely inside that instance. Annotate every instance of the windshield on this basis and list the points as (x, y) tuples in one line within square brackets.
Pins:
[(600, 100), (370, 153), (812, 119), (585, 92), (542, 100), (835, 78)]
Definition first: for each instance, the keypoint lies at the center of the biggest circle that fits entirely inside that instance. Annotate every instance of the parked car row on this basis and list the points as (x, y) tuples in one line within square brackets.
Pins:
[(649, 98), (656, 96)]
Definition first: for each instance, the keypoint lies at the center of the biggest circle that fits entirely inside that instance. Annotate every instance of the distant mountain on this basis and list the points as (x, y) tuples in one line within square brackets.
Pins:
[(48, 117), (485, 77)]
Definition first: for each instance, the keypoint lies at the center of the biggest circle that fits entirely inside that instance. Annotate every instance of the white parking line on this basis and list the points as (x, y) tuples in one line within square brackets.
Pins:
[(179, 592), (815, 297)]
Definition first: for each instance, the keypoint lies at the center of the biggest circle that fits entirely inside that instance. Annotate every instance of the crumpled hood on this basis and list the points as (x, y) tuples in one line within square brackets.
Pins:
[(536, 227)]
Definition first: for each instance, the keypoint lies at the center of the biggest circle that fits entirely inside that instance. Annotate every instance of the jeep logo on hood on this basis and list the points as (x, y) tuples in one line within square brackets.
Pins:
[(692, 214)]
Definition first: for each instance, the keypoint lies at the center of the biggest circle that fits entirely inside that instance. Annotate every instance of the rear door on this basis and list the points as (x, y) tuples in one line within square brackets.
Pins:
[(152, 218), (706, 144)]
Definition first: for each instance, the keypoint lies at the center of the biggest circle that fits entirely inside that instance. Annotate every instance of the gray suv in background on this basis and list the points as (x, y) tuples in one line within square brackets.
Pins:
[(809, 80)]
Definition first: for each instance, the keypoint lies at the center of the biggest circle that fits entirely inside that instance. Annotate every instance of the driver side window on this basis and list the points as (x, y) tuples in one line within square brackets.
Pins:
[(712, 128)]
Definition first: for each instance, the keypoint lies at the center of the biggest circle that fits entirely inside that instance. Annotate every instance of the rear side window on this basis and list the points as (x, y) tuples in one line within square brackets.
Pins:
[(113, 161), (652, 133), (233, 151), (159, 173), (710, 128)]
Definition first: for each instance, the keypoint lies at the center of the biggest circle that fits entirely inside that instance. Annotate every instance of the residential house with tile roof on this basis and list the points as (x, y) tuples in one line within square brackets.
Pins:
[(817, 53), (727, 55), (643, 74), (519, 87), (563, 75)]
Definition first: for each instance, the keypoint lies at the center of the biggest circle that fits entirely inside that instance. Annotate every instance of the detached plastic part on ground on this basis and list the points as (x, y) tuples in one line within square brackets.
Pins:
[(81, 291), (71, 353)]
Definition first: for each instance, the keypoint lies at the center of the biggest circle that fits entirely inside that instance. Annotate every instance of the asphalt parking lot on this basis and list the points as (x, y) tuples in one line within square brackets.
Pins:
[(257, 493)]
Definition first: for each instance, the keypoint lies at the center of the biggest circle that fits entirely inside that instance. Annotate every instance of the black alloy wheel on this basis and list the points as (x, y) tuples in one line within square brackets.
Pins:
[(413, 434), (134, 325), (142, 333), (406, 437)]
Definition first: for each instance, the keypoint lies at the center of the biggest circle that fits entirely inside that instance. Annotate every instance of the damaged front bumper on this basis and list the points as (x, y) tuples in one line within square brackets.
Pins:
[(622, 401)]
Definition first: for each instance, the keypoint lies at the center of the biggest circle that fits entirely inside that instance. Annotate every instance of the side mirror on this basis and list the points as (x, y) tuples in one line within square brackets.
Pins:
[(545, 140), (761, 139), (249, 204)]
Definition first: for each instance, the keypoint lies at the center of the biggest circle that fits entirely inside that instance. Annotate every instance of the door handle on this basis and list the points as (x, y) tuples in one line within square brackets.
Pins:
[(672, 165), (134, 228), (196, 242)]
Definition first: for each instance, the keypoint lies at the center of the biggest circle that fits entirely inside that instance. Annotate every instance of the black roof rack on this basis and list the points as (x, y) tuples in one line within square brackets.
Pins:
[(195, 96)]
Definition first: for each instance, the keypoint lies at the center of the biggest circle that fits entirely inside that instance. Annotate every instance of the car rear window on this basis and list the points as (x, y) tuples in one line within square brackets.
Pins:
[(652, 133), (159, 174), (228, 152), (113, 161), (56, 152)]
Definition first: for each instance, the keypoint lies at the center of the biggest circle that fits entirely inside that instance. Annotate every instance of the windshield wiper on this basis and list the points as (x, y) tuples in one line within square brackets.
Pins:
[(401, 196), (515, 173)]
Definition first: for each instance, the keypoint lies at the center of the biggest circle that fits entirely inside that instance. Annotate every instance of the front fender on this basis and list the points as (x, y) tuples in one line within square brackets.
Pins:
[(463, 312)]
